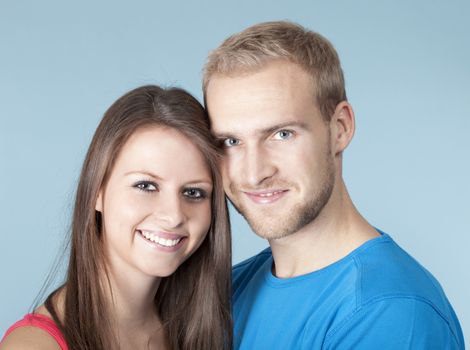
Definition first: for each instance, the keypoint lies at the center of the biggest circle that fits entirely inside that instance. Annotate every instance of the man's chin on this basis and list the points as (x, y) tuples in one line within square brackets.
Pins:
[(264, 222), (269, 227)]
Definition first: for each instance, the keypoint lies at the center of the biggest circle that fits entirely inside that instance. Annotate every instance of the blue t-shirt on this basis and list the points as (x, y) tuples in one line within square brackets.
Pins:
[(377, 297)]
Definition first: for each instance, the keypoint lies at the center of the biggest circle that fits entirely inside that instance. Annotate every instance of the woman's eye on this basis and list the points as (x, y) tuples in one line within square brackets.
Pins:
[(146, 186), (194, 193), (283, 135), (230, 142)]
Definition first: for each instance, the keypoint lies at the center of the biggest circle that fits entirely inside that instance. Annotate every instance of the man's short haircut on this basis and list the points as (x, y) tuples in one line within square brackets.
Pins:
[(258, 45)]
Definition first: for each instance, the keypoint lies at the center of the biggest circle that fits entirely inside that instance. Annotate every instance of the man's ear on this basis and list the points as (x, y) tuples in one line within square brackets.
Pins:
[(342, 126), (99, 202)]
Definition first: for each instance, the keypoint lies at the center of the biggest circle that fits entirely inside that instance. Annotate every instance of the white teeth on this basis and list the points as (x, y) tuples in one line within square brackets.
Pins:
[(159, 240), (270, 194)]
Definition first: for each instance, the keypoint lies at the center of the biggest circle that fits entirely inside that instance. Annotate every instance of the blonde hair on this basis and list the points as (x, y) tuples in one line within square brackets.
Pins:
[(258, 45)]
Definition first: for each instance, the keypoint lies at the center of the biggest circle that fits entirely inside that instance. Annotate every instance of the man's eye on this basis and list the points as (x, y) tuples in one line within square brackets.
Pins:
[(283, 135), (146, 186), (230, 142), (194, 193)]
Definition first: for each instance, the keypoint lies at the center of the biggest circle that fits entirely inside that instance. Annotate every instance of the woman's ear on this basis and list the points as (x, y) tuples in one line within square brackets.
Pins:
[(99, 202), (342, 126)]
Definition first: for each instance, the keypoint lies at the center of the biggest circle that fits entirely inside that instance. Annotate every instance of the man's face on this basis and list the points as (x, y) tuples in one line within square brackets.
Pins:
[(278, 166)]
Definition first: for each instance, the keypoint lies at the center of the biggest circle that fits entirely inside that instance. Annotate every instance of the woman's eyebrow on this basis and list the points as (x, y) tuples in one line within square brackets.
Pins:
[(202, 181), (144, 172), (199, 182)]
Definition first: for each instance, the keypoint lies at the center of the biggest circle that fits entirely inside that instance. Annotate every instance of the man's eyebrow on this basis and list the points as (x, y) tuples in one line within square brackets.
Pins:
[(264, 131), (221, 135), (285, 125)]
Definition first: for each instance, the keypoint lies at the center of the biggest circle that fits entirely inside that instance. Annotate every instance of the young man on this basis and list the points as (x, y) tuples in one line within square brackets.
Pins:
[(275, 95)]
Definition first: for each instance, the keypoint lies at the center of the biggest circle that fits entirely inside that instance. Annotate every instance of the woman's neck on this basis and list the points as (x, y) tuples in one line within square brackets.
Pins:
[(132, 304)]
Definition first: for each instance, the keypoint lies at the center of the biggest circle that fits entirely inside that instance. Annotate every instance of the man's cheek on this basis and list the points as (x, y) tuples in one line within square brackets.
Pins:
[(227, 171)]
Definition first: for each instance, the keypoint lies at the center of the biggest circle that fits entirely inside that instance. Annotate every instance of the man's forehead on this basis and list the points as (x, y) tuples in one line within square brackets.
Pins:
[(236, 120), (247, 115), (260, 101)]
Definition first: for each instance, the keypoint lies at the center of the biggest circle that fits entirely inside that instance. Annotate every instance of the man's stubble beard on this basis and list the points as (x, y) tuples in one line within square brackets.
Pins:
[(274, 225)]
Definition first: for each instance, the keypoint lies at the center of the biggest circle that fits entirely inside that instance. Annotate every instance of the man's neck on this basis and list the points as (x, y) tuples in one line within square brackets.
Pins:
[(337, 231)]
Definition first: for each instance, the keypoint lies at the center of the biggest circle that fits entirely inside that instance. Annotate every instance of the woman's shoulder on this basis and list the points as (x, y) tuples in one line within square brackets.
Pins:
[(35, 331), (29, 337)]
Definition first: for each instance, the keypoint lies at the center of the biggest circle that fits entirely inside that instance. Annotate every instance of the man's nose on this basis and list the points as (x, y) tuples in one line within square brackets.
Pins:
[(257, 166)]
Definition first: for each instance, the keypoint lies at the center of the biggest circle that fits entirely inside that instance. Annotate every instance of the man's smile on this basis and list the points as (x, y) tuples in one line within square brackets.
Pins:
[(265, 196)]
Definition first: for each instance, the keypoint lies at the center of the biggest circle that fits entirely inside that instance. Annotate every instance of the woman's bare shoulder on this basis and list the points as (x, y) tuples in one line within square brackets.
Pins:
[(29, 337)]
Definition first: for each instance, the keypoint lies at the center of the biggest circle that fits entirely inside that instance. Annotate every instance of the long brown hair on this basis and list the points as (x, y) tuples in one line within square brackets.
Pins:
[(194, 302)]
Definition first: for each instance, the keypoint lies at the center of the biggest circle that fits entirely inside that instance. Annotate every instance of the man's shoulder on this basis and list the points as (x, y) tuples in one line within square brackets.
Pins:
[(390, 287), (388, 274), (400, 323), (385, 270), (248, 267)]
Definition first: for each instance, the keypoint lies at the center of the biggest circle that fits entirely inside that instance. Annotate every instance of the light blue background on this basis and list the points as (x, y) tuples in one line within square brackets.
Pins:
[(407, 67)]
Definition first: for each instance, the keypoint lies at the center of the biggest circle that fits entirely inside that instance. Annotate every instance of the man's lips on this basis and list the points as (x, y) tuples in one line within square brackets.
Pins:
[(265, 196)]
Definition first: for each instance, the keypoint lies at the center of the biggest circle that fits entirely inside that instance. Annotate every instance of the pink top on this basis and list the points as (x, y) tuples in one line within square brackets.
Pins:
[(43, 322)]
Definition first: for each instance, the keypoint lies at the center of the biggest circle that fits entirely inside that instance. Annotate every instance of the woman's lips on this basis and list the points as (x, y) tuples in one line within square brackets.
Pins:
[(170, 241)]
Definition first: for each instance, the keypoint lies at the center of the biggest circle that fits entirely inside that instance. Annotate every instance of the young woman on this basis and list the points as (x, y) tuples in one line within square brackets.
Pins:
[(150, 261)]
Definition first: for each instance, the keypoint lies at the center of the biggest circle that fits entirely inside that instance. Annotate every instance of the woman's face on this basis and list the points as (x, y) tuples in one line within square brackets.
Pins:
[(156, 205)]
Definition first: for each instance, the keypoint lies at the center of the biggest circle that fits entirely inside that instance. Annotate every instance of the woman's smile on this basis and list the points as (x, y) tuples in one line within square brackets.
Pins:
[(159, 239)]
